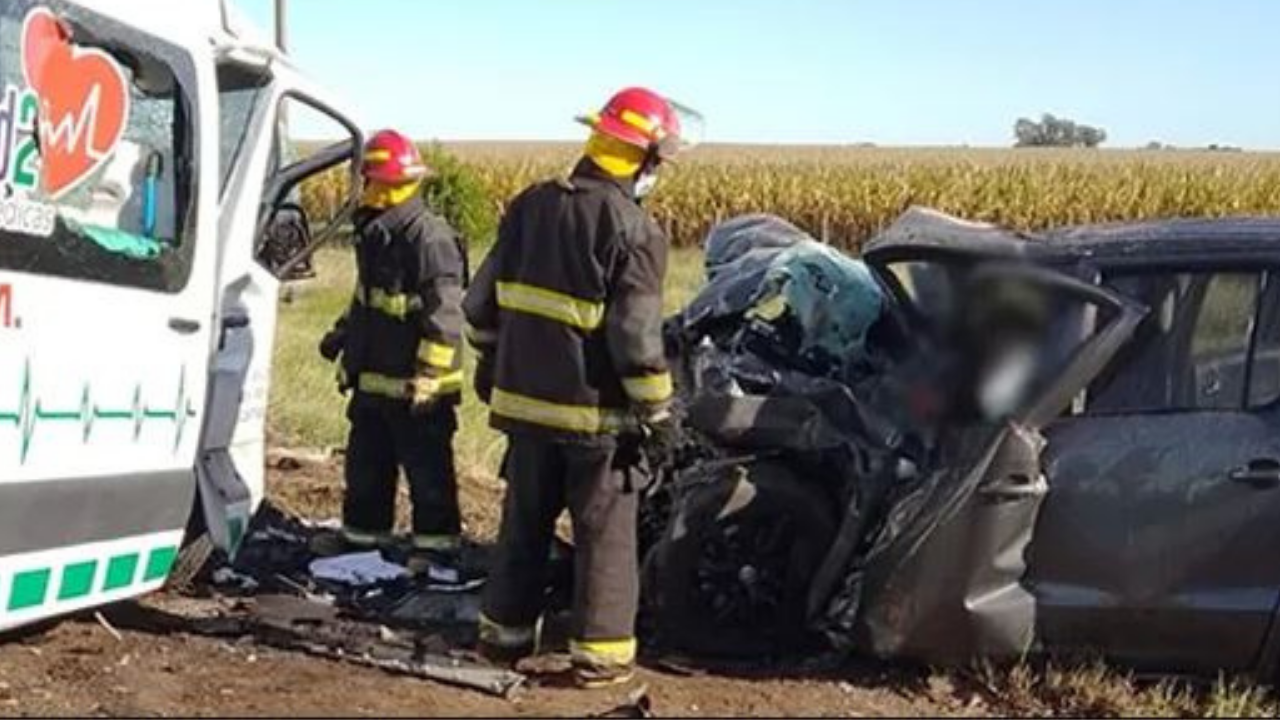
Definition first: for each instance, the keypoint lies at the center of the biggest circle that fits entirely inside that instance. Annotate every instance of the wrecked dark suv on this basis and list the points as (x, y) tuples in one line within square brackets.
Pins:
[(975, 442)]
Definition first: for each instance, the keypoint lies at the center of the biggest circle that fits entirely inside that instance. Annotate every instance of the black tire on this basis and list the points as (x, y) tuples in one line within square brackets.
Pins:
[(193, 559), (737, 586), (195, 554)]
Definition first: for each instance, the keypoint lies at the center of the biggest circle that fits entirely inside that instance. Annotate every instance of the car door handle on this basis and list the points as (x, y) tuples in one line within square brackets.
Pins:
[(184, 326), (1261, 474)]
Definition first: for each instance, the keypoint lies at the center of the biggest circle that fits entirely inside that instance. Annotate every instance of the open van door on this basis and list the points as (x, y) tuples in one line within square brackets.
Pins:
[(108, 235), (264, 238)]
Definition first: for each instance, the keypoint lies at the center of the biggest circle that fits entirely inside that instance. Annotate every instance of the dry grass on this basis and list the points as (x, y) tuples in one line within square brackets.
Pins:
[(1097, 690)]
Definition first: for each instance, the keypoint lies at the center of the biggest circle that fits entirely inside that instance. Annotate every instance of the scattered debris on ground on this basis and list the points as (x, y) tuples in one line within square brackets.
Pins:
[(361, 607)]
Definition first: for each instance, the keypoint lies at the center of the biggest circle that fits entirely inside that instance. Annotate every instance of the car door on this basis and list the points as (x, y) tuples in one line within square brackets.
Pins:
[(944, 576), (107, 242), (1157, 544), (263, 168)]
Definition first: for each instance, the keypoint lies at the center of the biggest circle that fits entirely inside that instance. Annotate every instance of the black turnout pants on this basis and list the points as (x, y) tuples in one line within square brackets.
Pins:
[(543, 478), (385, 437)]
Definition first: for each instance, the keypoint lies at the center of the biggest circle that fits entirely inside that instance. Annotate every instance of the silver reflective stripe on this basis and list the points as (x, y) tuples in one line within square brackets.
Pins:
[(508, 636), (437, 542)]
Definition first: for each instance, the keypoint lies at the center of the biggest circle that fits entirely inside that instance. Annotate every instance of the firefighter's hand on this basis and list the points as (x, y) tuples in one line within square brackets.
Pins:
[(424, 392), (332, 343), (661, 439)]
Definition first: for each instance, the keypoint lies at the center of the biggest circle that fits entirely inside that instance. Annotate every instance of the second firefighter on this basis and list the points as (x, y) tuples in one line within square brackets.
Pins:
[(398, 345)]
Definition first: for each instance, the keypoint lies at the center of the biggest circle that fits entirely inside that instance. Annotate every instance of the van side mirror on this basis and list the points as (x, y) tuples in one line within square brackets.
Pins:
[(282, 249), (313, 188)]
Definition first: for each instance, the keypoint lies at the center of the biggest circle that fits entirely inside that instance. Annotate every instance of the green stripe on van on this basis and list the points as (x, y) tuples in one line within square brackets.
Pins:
[(77, 580), (32, 588), (29, 588), (159, 563), (120, 571)]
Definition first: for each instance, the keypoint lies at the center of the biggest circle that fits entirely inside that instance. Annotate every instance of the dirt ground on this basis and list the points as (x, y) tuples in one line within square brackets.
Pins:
[(147, 658), (138, 659), (80, 668), (138, 662)]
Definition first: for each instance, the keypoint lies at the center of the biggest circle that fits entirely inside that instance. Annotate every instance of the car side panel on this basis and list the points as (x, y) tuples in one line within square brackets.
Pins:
[(1147, 551)]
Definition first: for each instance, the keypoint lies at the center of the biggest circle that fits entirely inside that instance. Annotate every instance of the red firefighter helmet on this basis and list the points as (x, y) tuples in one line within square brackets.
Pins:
[(392, 158), (642, 118)]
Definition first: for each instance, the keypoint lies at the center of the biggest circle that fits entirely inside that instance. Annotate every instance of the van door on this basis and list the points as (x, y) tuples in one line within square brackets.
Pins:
[(107, 248), (263, 172)]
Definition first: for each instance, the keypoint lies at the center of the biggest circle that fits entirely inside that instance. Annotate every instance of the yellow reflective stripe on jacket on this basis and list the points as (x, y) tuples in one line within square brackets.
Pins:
[(604, 652), (562, 308), (575, 418), (379, 384), (653, 388), (436, 355), (397, 305), (407, 388)]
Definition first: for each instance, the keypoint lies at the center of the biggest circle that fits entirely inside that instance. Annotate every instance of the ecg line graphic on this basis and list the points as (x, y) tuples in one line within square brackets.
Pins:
[(31, 413)]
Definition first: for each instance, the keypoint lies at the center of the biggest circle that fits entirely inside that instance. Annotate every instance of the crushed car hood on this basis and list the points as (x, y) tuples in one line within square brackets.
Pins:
[(934, 521)]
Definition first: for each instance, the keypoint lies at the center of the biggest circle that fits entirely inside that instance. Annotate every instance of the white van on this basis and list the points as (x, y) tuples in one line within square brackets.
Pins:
[(143, 158)]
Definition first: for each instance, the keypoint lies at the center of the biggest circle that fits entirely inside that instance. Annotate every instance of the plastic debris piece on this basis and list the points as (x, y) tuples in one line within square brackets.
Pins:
[(226, 577), (362, 568)]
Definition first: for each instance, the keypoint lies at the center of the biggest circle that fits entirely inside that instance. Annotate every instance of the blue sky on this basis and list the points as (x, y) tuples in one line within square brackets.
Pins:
[(893, 72)]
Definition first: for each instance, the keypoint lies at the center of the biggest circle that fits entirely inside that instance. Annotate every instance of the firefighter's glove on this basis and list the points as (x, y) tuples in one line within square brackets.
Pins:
[(661, 439), (424, 393), (331, 345)]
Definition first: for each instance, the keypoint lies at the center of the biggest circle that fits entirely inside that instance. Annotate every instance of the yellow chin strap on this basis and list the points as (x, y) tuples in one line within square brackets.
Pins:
[(382, 196), (614, 156)]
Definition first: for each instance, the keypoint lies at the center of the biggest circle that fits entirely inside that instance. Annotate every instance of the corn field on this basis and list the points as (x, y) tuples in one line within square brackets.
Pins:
[(845, 194)]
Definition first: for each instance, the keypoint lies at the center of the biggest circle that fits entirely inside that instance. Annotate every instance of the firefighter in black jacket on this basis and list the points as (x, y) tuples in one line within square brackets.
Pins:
[(566, 313), (399, 347)]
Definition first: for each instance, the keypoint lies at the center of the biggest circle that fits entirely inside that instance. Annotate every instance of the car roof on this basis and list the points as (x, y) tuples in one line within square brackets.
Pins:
[(924, 231), (1171, 236)]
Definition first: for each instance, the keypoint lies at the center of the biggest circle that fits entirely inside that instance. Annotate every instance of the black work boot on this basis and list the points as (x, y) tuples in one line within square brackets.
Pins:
[(506, 645), (507, 656)]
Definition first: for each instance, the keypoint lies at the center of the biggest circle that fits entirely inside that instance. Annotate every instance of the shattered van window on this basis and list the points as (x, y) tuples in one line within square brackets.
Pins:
[(96, 148), (1191, 352), (239, 89)]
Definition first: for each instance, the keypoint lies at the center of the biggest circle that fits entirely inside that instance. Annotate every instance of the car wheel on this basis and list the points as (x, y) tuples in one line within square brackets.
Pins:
[(731, 575), (193, 559), (195, 554)]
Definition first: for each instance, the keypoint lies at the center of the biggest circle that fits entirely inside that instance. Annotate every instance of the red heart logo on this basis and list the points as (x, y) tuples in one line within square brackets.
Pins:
[(84, 102)]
